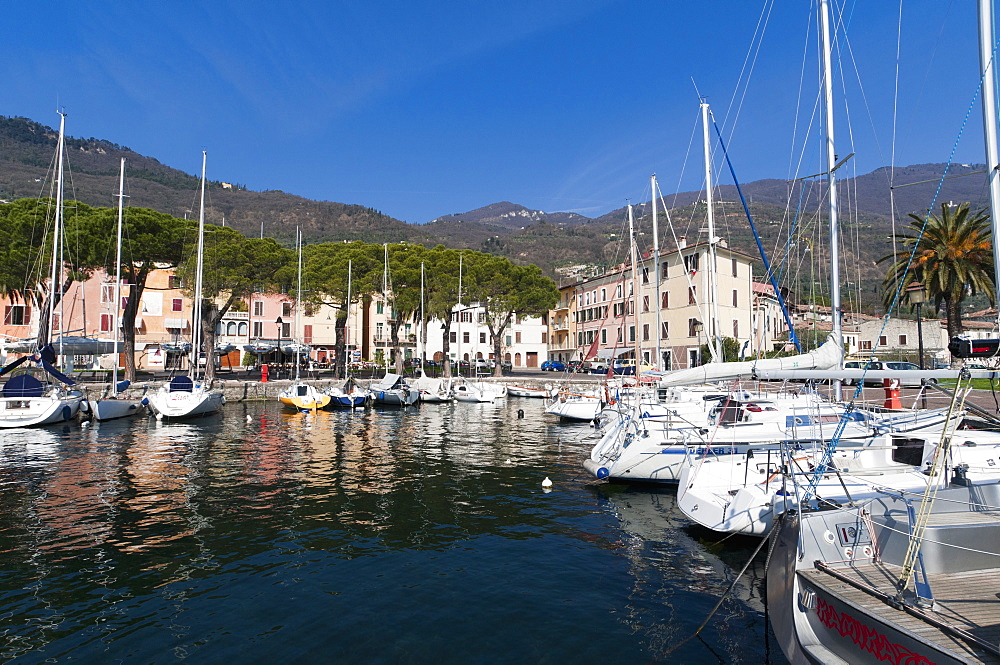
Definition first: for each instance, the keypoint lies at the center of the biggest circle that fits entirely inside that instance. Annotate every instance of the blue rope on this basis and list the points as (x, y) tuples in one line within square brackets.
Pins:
[(824, 464), (760, 247)]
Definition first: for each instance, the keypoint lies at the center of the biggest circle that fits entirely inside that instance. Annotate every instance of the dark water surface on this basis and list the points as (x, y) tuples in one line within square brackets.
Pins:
[(419, 536)]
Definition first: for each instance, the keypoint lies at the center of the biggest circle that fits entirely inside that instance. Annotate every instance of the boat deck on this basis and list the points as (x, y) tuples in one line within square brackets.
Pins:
[(965, 601)]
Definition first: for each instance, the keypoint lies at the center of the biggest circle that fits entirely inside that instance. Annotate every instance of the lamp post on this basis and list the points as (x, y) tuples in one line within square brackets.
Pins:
[(917, 297), (278, 323), (698, 327)]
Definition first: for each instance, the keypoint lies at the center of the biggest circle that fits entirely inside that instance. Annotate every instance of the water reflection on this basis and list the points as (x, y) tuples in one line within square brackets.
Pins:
[(147, 541)]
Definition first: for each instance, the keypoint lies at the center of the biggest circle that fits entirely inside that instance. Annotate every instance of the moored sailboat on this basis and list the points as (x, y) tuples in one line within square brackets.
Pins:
[(301, 395), (187, 396), (113, 404)]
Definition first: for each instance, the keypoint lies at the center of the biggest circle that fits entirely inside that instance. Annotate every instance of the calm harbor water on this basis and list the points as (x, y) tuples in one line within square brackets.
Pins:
[(418, 536)]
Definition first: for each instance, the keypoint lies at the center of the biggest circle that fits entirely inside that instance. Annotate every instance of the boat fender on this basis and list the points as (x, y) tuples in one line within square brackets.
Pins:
[(67, 412), (596, 469), (520, 414), (144, 401), (85, 406)]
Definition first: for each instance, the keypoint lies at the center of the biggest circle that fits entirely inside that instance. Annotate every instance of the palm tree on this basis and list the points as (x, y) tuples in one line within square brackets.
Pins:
[(953, 260)]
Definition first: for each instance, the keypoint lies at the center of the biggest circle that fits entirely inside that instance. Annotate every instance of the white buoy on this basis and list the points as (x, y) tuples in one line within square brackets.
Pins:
[(249, 419), (546, 482), (85, 423)]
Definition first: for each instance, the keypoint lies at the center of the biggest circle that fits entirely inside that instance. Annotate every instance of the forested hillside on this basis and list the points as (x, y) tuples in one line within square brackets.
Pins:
[(791, 216)]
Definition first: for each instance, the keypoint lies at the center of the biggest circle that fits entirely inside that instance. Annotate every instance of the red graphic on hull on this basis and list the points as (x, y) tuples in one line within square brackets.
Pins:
[(865, 637)]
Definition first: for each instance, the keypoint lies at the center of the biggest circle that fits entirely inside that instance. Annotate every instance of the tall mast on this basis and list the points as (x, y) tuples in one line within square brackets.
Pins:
[(347, 322), (422, 327), (298, 302), (57, 232), (118, 276), (658, 362), (635, 288), (199, 268), (713, 296), (990, 128), (831, 179)]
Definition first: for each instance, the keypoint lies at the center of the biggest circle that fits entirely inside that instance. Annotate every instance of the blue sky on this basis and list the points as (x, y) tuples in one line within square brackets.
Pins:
[(422, 109)]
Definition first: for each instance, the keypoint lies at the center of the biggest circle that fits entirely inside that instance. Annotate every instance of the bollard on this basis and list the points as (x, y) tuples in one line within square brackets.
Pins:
[(892, 400), (263, 373)]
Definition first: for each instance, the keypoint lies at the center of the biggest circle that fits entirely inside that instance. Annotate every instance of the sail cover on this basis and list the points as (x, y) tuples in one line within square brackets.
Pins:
[(827, 356)]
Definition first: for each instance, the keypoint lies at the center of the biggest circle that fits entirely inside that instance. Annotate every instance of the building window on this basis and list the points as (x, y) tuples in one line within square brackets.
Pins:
[(883, 340), (517, 336), (604, 336), (691, 331), (736, 298), (482, 338), (173, 282), (258, 329), (645, 275), (465, 338), (665, 299), (545, 337), (286, 308), (664, 269), (866, 345), (453, 337), (286, 329), (379, 331), (258, 308), (15, 315), (176, 304), (691, 263), (692, 295), (107, 292), (645, 332), (645, 303), (631, 333), (664, 330), (736, 268), (106, 322), (604, 295), (902, 340), (736, 328)]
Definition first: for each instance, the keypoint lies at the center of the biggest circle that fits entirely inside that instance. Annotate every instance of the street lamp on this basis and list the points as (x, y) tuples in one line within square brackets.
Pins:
[(916, 295), (698, 327), (278, 323)]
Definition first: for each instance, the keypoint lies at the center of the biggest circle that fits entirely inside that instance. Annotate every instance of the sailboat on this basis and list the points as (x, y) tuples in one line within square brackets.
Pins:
[(301, 395), (187, 396), (351, 395), (24, 400), (113, 405), (902, 576)]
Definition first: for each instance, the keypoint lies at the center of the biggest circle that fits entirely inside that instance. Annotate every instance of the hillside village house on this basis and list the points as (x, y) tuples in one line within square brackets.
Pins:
[(596, 317)]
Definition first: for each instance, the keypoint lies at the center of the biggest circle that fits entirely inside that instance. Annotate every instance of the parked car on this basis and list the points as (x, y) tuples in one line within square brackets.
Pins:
[(882, 365), (582, 366), (483, 366), (598, 366), (553, 366)]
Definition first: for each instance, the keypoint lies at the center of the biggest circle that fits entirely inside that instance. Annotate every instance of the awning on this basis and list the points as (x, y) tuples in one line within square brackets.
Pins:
[(175, 323), (605, 354)]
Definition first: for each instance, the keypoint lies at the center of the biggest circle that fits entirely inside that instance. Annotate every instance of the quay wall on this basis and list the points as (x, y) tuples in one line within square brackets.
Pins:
[(236, 390)]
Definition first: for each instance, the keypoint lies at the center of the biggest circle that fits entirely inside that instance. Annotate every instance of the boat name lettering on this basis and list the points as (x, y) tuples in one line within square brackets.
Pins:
[(866, 637)]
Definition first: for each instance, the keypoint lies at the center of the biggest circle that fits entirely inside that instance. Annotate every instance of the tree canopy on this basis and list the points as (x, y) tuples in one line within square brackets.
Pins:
[(953, 259)]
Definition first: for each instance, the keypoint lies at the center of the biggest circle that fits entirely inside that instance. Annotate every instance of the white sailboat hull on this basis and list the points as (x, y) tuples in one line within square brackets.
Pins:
[(43, 410), (177, 404), (111, 409)]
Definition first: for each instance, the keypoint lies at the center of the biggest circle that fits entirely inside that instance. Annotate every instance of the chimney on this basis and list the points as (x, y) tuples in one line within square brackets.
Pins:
[(682, 242)]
